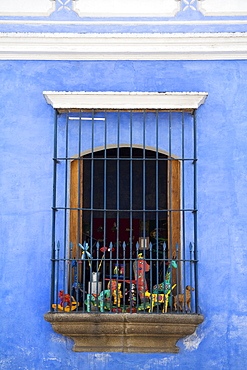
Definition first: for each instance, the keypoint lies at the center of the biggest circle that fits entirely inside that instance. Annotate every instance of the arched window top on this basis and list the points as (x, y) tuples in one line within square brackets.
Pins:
[(135, 146)]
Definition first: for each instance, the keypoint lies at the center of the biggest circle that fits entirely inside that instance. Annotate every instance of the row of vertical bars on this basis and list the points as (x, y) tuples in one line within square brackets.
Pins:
[(180, 273), (127, 294)]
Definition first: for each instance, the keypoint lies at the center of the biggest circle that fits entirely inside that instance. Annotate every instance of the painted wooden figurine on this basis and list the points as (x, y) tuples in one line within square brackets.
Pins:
[(132, 295), (140, 268), (64, 298), (104, 299), (91, 300), (65, 302), (157, 298), (165, 285), (115, 289)]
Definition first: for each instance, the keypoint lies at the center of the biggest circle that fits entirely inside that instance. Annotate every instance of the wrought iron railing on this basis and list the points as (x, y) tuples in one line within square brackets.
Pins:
[(124, 212)]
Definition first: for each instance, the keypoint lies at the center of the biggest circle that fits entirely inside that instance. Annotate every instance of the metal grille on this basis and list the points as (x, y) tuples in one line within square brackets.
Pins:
[(124, 212)]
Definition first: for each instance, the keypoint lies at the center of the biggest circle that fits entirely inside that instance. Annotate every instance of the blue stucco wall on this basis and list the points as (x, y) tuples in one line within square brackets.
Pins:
[(27, 341)]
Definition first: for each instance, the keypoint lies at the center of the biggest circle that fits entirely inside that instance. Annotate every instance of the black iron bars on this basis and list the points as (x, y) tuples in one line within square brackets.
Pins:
[(127, 218)]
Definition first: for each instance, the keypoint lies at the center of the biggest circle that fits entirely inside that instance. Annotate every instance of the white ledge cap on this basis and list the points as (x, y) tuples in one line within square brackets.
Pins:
[(124, 100)]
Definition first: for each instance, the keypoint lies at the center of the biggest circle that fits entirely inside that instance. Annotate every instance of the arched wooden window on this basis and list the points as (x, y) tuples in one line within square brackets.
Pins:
[(120, 190)]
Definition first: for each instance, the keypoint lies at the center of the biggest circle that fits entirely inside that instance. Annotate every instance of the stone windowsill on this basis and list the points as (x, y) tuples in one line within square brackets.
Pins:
[(137, 333)]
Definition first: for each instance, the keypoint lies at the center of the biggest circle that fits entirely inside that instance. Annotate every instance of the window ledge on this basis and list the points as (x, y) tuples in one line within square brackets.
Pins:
[(124, 100), (136, 333)]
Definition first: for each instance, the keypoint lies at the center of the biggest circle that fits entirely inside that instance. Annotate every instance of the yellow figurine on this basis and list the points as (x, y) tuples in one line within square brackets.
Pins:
[(116, 291), (67, 308), (159, 298)]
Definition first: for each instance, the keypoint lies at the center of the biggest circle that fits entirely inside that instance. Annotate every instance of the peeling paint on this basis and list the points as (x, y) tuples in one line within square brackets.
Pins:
[(98, 360), (166, 361), (157, 362), (51, 359), (192, 342), (58, 338), (102, 356), (238, 328)]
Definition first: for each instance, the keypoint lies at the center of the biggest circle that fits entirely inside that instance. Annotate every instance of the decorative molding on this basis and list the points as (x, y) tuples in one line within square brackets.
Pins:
[(223, 7), (27, 7), (189, 4), (127, 8), (124, 100), (107, 22), (116, 46), (132, 333), (63, 5)]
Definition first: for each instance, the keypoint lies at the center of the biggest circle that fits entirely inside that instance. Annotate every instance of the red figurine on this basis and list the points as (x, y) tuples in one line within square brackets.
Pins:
[(64, 298), (140, 268)]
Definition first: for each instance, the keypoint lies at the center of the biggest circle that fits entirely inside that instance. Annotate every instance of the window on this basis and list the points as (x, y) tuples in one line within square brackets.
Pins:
[(124, 204)]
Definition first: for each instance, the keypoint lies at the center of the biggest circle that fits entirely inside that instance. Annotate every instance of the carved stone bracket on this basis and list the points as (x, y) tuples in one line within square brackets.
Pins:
[(136, 333)]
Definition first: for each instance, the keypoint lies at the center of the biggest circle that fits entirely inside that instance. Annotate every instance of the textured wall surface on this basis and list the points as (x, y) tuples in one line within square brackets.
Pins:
[(27, 341)]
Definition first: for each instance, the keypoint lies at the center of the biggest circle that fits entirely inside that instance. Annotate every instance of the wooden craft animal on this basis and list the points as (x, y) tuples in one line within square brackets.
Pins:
[(115, 289), (91, 299), (104, 299), (165, 285), (144, 305), (58, 307), (64, 298), (159, 298), (155, 299), (183, 300), (140, 268), (117, 295), (67, 302)]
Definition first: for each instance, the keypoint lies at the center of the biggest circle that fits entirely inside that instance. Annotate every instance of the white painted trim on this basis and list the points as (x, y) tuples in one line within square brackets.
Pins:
[(127, 8), (125, 46), (107, 22), (222, 8), (221, 13), (124, 100), (13, 12)]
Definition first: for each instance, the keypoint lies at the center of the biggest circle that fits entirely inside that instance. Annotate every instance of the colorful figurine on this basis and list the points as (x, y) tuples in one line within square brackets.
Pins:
[(165, 285), (155, 299), (118, 271), (140, 268), (76, 285), (64, 298), (91, 299), (115, 289), (121, 271), (104, 299), (167, 297), (65, 303), (85, 252), (132, 295), (115, 271), (159, 298), (117, 295)]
